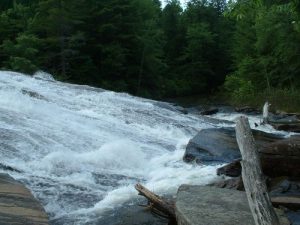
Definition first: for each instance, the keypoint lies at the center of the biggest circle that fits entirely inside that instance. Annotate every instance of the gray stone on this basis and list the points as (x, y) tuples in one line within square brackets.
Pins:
[(212, 145), (17, 204), (218, 145), (202, 205)]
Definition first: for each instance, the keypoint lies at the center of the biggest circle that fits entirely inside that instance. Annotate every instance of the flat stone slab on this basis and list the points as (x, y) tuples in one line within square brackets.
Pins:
[(202, 205), (17, 204)]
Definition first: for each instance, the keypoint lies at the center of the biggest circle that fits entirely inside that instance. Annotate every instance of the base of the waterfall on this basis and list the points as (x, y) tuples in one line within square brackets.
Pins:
[(18, 206)]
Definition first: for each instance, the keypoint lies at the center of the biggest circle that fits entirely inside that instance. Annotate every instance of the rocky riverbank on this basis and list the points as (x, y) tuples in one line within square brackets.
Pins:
[(18, 205), (280, 158)]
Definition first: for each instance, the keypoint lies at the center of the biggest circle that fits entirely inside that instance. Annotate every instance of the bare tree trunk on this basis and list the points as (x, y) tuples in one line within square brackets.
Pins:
[(266, 113), (253, 178)]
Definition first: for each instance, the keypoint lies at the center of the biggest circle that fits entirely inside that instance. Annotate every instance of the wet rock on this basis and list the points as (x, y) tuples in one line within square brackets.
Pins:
[(218, 145), (209, 111), (8, 168), (233, 169), (248, 110), (198, 205), (171, 106), (181, 109), (216, 121), (212, 145), (202, 205), (285, 192), (33, 94), (287, 127), (294, 217), (18, 206), (233, 183)]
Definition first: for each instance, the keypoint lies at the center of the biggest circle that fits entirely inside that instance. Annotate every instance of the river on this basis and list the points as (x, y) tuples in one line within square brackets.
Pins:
[(81, 149)]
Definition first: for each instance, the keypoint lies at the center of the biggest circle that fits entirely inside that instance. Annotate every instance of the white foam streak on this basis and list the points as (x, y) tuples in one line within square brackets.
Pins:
[(82, 149)]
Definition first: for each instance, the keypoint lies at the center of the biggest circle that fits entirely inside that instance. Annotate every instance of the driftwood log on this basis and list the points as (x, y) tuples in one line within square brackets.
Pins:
[(253, 178), (157, 204), (291, 202), (266, 113), (279, 158)]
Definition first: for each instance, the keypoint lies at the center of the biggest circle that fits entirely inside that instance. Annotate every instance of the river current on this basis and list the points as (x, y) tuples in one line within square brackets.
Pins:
[(81, 149)]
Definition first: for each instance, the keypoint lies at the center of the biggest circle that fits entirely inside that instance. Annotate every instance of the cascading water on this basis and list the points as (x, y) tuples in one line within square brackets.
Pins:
[(81, 149)]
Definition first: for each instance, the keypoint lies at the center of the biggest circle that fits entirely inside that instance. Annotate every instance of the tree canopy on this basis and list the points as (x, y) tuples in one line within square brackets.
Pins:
[(136, 46)]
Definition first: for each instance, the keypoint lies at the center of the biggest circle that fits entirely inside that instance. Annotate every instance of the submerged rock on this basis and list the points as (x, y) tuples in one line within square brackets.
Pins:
[(9, 168), (18, 206), (33, 94)]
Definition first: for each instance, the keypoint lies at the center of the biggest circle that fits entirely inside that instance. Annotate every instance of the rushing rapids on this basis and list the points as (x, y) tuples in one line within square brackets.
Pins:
[(81, 149)]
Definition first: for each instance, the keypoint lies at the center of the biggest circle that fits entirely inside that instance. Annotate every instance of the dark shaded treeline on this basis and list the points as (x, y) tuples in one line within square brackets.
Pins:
[(138, 47), (123, 45)]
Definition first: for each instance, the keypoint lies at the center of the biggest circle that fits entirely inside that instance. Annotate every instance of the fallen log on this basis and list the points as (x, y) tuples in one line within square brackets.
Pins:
[(291, 202), (266, 113), (253, 178), (279, 158), (287, 127), (157, 203)]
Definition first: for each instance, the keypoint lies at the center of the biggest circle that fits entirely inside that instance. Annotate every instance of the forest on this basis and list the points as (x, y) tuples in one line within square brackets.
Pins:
[(247, 50)]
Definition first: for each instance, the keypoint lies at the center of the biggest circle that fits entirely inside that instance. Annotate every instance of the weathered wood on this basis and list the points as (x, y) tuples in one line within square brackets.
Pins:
[(157, 203), (266, 113), (279, 158), (291, 202), (287, 127), (253, 178)]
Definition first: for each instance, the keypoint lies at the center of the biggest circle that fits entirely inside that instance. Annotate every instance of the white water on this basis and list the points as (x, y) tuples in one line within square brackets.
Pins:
[(82, 149)]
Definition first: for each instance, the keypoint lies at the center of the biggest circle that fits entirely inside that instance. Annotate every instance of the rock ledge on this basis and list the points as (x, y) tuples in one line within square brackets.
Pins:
[(17, 204)]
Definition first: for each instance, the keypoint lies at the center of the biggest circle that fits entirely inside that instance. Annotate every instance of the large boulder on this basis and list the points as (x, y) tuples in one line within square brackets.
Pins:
[(18, 206), (202, 205), (218, 145)]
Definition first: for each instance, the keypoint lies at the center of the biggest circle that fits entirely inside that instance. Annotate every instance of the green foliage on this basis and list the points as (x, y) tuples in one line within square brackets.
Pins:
[(123, 45), (240, 90), (138, 47), (21, 54), (266, 52)]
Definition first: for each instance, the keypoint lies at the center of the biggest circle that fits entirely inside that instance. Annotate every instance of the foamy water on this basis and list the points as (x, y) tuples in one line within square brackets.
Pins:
[(81, 150)]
